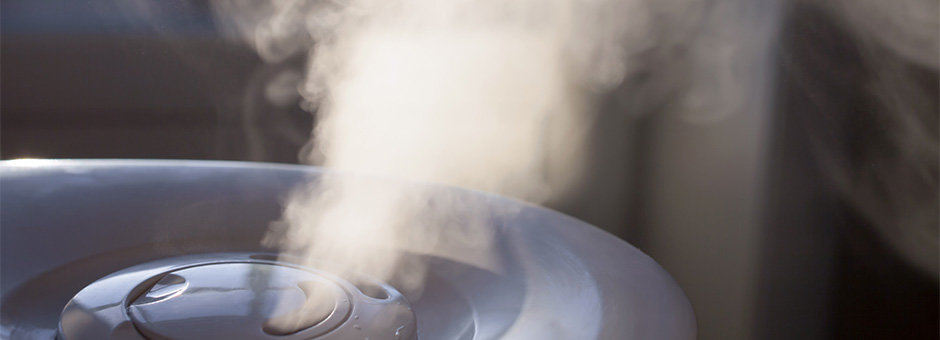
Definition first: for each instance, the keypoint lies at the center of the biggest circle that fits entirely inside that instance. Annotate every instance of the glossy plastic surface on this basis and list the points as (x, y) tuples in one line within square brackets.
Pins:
[(232, 296), (66, 224)]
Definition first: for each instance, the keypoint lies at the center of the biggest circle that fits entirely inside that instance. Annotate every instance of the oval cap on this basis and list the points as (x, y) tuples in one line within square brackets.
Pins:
[(239, 301)]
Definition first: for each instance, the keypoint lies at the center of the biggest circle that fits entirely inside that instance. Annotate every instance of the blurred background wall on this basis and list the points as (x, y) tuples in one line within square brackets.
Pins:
[(749, 211)]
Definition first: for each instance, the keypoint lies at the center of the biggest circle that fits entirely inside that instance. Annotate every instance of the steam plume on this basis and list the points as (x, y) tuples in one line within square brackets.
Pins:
[(491, 95), (497, 96)]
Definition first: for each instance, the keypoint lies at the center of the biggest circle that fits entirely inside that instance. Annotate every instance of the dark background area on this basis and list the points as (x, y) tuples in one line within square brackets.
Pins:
[(99, 79)]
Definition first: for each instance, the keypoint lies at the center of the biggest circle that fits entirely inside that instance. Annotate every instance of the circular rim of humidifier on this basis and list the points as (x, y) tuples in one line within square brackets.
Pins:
[(130, 243)]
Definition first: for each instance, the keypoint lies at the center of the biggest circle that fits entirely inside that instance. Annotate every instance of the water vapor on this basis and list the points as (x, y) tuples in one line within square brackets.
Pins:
[(490, 95)]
